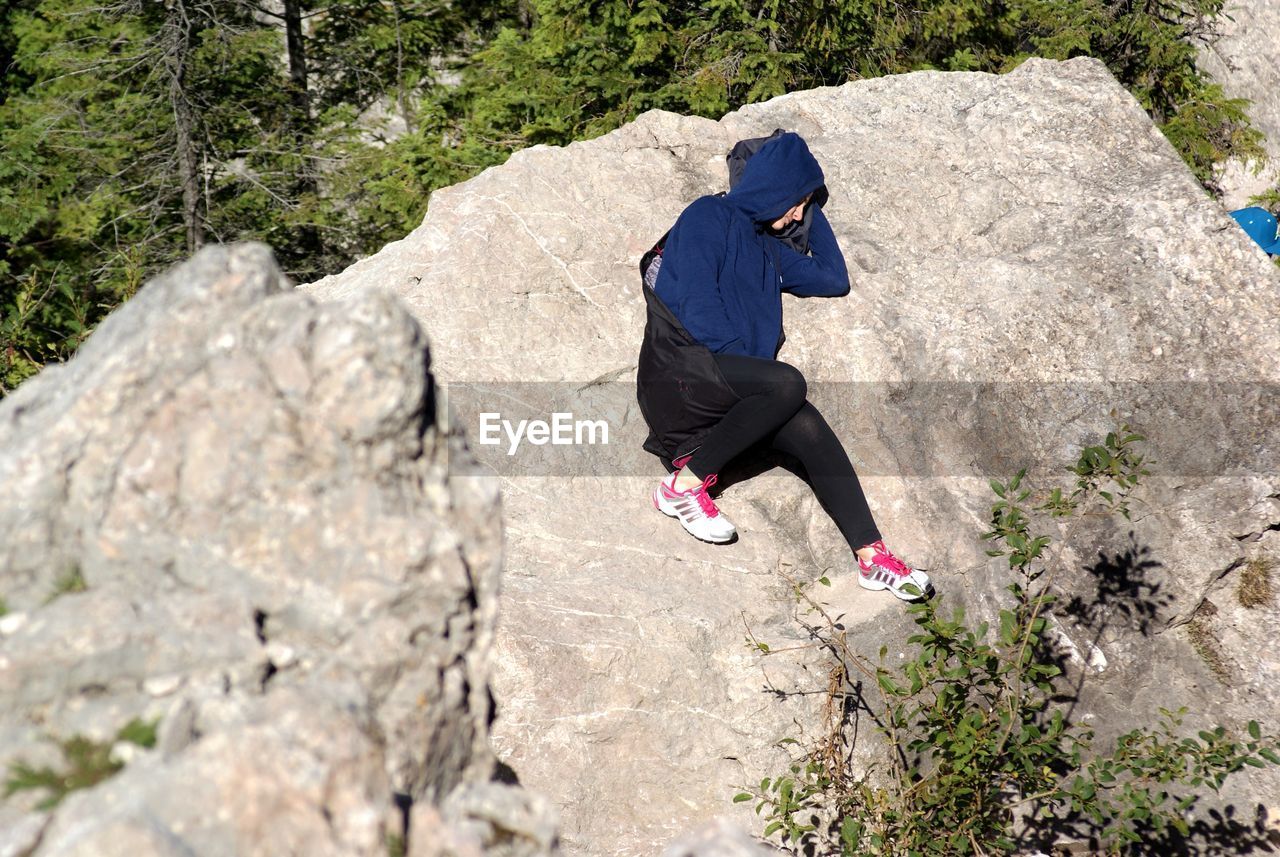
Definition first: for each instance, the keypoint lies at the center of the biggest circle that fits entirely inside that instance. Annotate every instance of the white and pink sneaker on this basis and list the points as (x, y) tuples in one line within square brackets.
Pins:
[(886, 571), (695, 509)]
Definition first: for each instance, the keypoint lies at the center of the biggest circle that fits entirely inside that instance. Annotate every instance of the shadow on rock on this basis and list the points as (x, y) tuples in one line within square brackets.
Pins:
[(1125, 594), (1224, 831)]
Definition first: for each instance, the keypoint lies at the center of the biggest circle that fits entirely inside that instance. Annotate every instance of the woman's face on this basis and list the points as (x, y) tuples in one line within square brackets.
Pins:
[(794, 215)]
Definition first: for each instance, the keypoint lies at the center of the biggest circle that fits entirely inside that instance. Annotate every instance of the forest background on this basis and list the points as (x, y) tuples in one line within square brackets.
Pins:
[(132, 132)]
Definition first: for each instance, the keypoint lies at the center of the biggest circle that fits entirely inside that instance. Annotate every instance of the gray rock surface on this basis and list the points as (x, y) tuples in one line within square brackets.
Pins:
[(491, 818), (1027, 253), (718, 838), (282, 560), (1245, 59)]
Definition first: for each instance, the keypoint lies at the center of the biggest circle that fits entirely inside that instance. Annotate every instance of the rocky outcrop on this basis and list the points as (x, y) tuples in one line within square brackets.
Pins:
[(1245, 59), (247, 522), (1028, 254), (235, 517)]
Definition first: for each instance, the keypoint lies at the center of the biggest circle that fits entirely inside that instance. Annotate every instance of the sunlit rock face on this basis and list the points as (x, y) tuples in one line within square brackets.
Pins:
[(1028, 253), (235, 515)]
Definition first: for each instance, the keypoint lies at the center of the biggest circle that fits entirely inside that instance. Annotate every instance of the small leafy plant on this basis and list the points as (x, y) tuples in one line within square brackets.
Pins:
[(87, 763), (979, 760), (71, 580)]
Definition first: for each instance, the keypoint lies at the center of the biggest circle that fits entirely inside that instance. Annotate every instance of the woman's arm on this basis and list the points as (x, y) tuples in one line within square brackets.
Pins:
[(823, 274), (693, 293)]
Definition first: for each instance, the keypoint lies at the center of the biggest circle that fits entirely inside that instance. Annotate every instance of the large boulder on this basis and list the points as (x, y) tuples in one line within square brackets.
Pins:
[(1245, 59), (235, 520), (1028, 253)]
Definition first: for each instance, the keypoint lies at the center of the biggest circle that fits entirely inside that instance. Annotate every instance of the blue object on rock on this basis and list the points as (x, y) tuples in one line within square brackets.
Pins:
[(1260, 225)]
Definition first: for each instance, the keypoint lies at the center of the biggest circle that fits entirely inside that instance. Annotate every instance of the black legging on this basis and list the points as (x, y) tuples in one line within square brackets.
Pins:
[(774, 413)]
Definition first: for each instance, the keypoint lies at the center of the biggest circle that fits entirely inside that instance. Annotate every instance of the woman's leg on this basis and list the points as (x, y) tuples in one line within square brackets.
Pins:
[(807, 437), (771, 391)]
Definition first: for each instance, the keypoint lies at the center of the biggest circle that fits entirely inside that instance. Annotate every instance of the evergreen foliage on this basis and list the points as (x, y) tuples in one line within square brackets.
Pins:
[(577, 71), (133, 131)]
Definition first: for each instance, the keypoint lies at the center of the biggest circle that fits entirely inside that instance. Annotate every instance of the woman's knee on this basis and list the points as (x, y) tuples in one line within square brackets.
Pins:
[(816, 447), (790, 385)]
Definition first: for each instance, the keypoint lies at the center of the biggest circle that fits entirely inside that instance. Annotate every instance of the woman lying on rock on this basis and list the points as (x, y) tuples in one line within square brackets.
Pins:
[(709, 385)]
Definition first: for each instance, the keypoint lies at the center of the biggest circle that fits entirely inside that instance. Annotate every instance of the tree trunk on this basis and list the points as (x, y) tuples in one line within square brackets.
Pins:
[(297, 49), (400, 99), (179, 47)]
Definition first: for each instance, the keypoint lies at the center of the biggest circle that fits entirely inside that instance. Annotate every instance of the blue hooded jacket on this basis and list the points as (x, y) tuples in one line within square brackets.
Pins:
[(723, 274)]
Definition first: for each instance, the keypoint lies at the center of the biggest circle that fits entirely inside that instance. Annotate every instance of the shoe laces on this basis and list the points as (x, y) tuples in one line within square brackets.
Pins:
[(704, 499), (888, 561)]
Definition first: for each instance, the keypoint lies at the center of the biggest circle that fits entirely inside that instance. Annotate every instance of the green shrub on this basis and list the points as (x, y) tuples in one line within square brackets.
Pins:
[(975, 749), (71, 580), (86, 763)]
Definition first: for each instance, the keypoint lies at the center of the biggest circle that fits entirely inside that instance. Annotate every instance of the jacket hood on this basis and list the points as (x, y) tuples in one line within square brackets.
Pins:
[(777, 177)]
